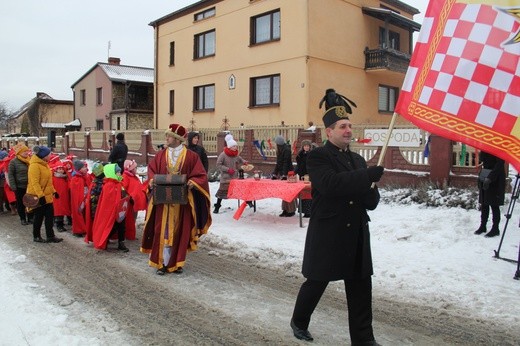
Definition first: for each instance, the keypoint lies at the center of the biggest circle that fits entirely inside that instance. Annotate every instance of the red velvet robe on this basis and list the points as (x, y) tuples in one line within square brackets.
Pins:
[(106, 212), (134, 188), (194, 218), (78, 187), (61, 204)]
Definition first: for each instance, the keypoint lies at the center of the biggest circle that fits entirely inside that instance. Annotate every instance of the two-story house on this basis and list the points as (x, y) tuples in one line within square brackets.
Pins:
[(43, 114), (111, 96), (268, 62)]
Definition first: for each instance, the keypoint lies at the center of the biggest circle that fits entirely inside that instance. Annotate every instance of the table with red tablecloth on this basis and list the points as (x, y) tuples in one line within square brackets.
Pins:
[(253, 190)]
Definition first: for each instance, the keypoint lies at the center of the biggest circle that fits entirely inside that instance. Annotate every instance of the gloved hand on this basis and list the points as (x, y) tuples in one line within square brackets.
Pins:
[(375, 173), (231, 171), (485, 184), (42, 201), (283, 177), (56, 195), (246, 163)]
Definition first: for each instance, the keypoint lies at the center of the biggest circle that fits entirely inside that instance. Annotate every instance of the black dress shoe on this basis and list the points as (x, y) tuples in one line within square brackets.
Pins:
[(161, 271), (283, 214), (289, 214), (24, 223), (179, 271), (302, 334), (39, 240), (54, 240)]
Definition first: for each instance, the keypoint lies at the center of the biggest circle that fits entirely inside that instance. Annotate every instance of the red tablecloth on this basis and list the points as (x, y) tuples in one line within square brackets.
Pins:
[(251, 190)]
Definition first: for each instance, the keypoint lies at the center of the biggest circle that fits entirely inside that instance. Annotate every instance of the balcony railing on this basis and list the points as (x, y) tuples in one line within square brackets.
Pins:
[(389, 59)]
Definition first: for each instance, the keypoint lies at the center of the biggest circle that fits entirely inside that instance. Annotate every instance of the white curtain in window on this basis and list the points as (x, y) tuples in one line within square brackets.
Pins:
[(276, 89), (263, 29), (276, 25), (263, 91), (210, 43), (209, 97)]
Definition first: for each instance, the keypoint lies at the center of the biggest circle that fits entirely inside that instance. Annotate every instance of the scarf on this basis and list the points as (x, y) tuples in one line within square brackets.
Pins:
[(230, 152)]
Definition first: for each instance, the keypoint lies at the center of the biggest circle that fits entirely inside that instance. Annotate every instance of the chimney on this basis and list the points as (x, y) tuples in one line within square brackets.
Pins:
[(114, 61)]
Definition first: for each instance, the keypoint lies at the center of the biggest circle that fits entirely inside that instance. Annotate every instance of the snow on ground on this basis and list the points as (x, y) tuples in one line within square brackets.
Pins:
[(422, 255)]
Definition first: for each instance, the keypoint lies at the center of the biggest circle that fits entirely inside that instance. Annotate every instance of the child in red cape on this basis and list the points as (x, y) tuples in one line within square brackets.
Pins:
[(133, 186), (61, 203), (93, 198), (110, 211), (79, 185)]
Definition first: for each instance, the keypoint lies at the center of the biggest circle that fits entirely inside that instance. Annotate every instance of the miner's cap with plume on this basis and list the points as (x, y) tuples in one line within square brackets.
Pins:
[(337, 107)]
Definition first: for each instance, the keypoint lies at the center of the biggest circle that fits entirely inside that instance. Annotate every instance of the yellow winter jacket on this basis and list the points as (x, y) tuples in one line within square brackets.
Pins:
[(40, 179)]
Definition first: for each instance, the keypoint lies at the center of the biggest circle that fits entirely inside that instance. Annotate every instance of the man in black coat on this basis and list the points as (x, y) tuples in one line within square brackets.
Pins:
[(337, 246), (193, 145), (119, 151)]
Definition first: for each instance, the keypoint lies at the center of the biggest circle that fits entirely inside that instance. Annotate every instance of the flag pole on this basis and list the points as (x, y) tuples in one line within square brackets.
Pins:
[(383, 149)]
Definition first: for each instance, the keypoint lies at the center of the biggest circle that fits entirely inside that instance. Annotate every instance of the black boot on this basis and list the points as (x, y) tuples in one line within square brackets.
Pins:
[(122, 247), (481, 229), (217, 206), (493, 232)]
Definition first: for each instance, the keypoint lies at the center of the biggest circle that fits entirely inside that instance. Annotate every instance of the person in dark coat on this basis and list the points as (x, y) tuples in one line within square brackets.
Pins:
[(281, 170), (193, 145), (119, 151), (337, 246), (491, 193), (301, 170)]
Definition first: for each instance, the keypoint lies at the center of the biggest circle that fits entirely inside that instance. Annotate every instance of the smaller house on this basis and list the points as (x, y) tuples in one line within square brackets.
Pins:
[(111, 96), (43, 114)]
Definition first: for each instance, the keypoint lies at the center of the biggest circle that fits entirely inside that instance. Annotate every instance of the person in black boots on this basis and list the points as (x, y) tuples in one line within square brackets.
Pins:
[(491, 188), (281, 170), (337, 246), (40, 184), (119, 152), (17, 178), (301, 170)]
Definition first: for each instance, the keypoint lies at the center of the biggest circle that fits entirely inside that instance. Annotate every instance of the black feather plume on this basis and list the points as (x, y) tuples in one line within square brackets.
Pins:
[(333, 99)]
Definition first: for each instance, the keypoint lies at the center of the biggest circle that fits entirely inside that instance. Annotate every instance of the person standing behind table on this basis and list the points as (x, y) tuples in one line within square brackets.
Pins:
[(17, 176), (119, 152), (79, 185), (40, 184), (281, 170), (173, 230), (301, 170), (193, 145), (337, 246), (491, 193), (227, 164)]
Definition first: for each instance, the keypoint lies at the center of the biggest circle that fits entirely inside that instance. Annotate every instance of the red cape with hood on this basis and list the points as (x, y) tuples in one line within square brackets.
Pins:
[(79, 184), (194, 218), (107, 207), (135, 189), (62, 187)]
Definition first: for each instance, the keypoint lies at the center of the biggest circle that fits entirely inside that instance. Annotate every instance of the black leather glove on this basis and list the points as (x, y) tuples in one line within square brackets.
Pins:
[(56, 195), (42, 200), (375, 173), (485, 184), (371, 198)]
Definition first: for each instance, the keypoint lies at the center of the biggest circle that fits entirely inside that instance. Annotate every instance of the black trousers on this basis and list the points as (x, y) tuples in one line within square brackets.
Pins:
[(45, 212), (359, 305), (20, 208)]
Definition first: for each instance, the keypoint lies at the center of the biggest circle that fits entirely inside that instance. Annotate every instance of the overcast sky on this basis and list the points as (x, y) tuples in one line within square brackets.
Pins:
[(48, 45)]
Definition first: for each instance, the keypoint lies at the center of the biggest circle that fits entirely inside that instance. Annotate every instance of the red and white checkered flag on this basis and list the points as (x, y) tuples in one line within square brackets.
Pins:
[(463, 82)]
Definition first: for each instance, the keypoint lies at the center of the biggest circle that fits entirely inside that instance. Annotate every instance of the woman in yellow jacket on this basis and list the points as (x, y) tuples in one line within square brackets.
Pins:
[(40, 184)]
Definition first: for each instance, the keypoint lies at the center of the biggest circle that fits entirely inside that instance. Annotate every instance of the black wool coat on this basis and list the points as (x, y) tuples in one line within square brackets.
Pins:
[(119, 153), (337, 246), (495, 194)]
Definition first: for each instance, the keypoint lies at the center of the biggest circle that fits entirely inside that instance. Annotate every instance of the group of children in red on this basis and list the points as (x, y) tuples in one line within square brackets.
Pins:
[(102, 204)]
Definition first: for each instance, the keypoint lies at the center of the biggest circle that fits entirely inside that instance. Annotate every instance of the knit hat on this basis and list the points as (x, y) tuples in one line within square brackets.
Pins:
[(120, 136), (336, 107), (130, 165), (279, 140), (3, 154), (41, 151), (78, 164), (306, 142), (231, 143), (97, 169), (20, 148), (176, 131), (228, 137)]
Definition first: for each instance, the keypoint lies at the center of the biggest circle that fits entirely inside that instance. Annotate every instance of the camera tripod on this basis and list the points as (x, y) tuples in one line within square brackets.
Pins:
[(514, 196)]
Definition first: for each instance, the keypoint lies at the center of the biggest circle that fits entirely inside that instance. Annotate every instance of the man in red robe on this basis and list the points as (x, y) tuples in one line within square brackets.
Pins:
[(173, 230)]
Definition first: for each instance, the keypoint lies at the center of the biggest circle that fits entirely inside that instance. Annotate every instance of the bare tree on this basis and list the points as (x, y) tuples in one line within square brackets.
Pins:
[(5, 114)]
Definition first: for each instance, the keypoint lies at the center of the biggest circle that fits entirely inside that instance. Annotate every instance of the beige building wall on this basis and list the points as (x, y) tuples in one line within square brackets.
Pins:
[(57, 113), (322, 46), (86, 113)]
